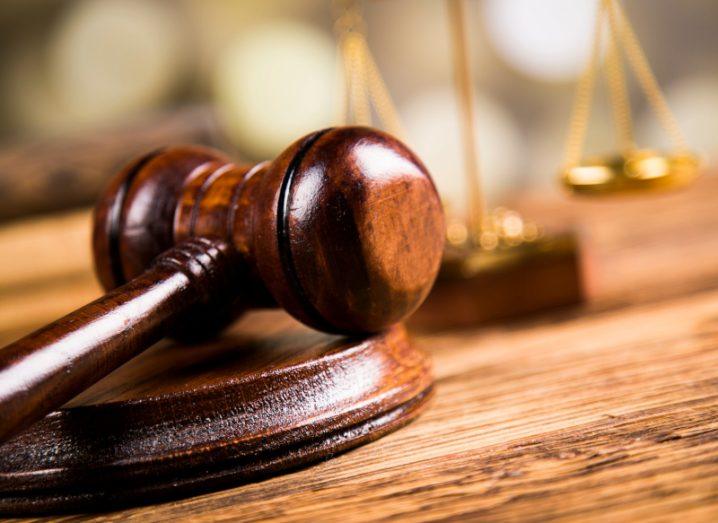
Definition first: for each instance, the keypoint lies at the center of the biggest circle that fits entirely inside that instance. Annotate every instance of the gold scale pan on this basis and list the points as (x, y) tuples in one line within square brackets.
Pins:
[(631, 169)]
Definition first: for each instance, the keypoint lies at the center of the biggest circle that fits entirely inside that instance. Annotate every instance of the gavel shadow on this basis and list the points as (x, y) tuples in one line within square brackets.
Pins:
[(269, 395)]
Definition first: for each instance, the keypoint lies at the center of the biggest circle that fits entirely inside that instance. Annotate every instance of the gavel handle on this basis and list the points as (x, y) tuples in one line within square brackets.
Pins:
[(45, 369)]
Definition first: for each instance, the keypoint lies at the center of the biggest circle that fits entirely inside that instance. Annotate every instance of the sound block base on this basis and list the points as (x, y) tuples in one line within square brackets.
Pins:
[(480, 287), (176, 421)]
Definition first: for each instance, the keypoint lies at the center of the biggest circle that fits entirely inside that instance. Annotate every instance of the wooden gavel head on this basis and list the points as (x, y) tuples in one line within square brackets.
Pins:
[(344, 229)]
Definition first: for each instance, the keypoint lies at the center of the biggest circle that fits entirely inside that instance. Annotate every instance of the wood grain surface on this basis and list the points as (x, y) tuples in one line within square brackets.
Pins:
[(607, 412)]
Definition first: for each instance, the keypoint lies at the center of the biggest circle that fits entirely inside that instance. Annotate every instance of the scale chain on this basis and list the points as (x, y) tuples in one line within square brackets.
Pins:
[(622, 38)]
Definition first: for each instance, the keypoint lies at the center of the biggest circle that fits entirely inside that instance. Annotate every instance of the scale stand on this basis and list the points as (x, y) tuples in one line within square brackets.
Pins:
[(476, 287), (496, 265)]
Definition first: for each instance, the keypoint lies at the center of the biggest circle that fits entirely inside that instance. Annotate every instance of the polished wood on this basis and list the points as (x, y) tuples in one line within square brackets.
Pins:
[(602, 412), (374, 191), (545, 275), (344, 230), (46, 368), (267, 396)]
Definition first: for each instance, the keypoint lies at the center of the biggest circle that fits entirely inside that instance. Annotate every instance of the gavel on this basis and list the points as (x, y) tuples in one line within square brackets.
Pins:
[(344, 230)]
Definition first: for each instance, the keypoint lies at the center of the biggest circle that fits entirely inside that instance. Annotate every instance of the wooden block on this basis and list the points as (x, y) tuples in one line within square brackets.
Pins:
[(536, 277), (270, 396), (69, 171)]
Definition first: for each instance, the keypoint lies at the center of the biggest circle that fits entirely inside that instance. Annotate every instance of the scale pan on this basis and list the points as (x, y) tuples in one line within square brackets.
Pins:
[(640, 170)]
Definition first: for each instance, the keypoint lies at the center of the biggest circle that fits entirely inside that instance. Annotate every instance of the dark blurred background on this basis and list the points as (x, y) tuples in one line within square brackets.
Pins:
[(91, 77)]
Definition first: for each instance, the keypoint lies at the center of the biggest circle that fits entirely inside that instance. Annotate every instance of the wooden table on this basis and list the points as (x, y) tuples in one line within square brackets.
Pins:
[(604, 412)]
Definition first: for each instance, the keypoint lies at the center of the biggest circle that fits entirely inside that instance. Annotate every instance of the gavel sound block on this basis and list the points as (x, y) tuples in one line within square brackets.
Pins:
[(344, 230)]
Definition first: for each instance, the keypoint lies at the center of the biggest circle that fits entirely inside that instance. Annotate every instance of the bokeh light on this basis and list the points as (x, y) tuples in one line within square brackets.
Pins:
[(545, 39), (693, 102), (274, 83), (432, 123), (115, 57)]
